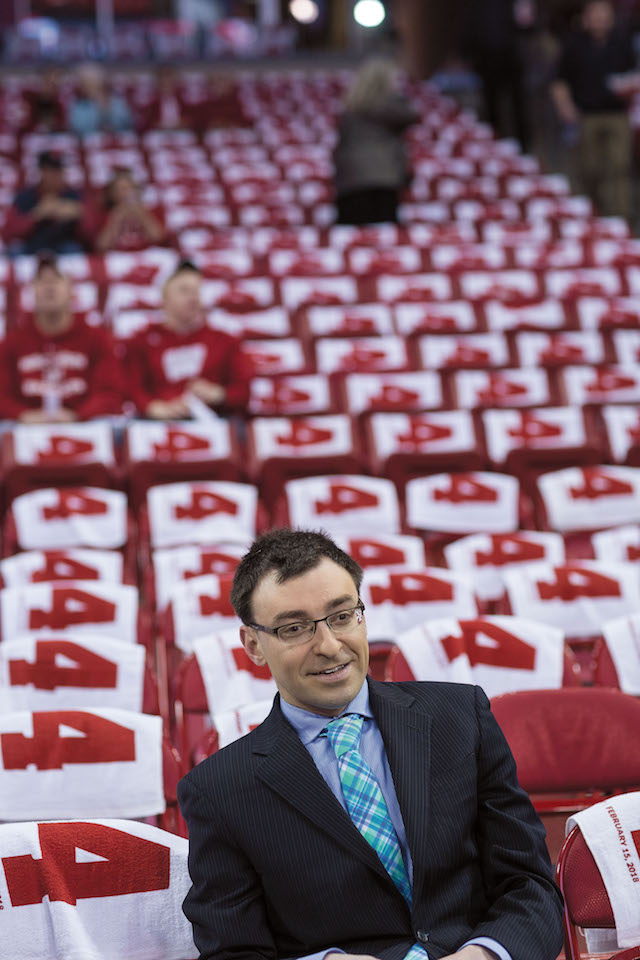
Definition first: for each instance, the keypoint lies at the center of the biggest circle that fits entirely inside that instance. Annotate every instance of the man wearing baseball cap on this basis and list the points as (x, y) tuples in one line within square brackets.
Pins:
[(46, 215)]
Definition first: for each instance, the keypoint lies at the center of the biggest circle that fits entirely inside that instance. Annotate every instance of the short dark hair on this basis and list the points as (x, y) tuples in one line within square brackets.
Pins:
[(46, 261), (49, 160), (185, 266), (289, 552)]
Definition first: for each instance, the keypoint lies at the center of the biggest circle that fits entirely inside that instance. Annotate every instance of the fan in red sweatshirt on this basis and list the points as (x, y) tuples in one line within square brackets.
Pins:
[(170, 363), (54, 367)]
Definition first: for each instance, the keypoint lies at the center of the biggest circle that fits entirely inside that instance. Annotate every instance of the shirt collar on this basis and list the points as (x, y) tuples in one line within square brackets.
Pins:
[(310, 725)]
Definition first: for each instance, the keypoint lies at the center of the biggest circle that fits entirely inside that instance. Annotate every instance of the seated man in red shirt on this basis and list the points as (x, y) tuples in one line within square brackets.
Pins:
[(54, 367), (171, 363)]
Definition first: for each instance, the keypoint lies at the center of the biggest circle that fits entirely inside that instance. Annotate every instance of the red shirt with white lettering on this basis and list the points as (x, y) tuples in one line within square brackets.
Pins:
[(162, 363), (77, 369)]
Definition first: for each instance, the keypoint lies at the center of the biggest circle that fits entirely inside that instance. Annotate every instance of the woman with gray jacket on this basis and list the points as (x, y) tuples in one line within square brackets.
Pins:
[(370, 160)]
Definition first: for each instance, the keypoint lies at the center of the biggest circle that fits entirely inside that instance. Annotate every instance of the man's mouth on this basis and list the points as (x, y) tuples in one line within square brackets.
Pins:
[(331, 670)]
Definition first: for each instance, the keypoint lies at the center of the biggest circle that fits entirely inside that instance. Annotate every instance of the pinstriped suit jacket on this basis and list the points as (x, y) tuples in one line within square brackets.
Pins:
[(279, 870)]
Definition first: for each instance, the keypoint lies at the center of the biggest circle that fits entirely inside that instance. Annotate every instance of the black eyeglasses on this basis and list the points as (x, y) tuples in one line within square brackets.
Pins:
[(303, 630)]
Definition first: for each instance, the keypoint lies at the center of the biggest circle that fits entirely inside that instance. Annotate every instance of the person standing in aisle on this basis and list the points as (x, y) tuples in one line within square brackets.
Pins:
[(371, 167)]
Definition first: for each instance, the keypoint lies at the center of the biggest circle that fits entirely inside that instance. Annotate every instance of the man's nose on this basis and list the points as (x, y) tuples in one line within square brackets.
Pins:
[(325, 640)]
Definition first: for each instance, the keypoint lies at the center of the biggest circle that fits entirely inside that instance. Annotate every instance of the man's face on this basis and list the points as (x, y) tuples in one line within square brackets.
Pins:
[(598, 18), (51, 180), (51, 292), (300, 670), (182, 300)]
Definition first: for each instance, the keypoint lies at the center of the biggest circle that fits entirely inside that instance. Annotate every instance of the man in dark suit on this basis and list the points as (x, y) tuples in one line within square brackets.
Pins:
[(279, 868)]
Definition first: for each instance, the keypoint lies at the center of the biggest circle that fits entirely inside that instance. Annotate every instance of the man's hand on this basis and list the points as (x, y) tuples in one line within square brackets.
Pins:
[(472, 952), (211, 393), (168, 409), (349, 956), (63, 415), (67, 209), (46, 208)]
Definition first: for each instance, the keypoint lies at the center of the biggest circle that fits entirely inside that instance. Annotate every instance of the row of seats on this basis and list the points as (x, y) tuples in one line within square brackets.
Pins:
[(506, 578)]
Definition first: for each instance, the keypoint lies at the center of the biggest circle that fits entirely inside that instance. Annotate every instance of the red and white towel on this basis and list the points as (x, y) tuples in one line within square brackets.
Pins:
[(200, 607), (230, 679), (233, 724), (617, 544), (578, 597), (80, 763), (399, 599), (463, 502), (94, 890), (591, 498), (486, 557), (345, 504), (384, 550), (201, 512), (76, 606), (622, 637), (501, 654), (175, 564), (68, 444), (611, 830), (179, 442), (54, 518), (60, 671), (38, 566)]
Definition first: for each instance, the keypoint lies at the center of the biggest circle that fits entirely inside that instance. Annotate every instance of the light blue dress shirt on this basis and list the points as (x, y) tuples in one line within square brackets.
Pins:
[(86, 116), (309, 726)]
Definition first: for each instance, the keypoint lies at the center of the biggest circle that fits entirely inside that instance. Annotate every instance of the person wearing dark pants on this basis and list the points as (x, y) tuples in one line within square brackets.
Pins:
[(594, 114), (491, 42), (370, 160)]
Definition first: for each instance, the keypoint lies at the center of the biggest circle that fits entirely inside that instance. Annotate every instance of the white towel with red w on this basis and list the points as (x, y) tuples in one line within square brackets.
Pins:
[(501, 654), (230, 679), (93, 890), (80, 763), (611, 830)]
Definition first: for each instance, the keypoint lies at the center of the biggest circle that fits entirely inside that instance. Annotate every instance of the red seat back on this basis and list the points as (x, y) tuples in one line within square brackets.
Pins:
[(572, 739)]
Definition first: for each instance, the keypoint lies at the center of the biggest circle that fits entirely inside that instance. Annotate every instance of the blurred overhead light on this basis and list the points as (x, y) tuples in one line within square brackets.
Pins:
[(369, 13), (304, 11)]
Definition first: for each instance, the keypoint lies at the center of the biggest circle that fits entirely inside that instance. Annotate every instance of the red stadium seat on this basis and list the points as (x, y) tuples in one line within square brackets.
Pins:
[(542, 438), (157, 453), (401, 445), (572, 746), (586, 902), (280, 449), (46, 455)]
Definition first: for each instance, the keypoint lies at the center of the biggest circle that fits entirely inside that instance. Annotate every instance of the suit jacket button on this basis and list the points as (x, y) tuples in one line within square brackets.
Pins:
[(422, 936)]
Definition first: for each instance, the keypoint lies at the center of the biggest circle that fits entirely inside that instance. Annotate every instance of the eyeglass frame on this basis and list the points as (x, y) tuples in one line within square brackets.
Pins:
[(274, 630)]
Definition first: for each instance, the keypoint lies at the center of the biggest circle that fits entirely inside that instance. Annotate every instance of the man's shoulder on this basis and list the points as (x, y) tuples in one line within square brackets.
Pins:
[(152, 334), (26, 199), (230, 765), (433, 694), (219, 339)]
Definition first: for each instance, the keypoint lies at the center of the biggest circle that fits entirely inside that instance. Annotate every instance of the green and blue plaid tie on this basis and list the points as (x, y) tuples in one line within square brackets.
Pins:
[(364, 799)]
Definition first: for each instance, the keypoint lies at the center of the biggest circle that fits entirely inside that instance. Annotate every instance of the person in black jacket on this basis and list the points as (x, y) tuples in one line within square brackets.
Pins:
[(278, 865), (586, 94), (491, 41)]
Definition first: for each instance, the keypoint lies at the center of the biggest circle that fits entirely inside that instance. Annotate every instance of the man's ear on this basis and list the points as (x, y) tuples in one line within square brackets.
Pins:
[(252, 645)]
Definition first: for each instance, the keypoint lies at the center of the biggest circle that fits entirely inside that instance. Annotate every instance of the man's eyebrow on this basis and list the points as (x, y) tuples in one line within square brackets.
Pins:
[(288, 615)]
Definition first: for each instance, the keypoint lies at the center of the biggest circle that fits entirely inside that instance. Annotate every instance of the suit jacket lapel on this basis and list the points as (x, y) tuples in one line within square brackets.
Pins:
[(286, 767), (407, 733)]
